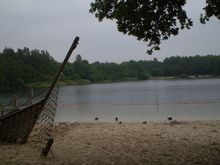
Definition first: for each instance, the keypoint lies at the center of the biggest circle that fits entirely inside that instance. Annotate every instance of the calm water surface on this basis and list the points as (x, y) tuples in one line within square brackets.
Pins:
[(197, 99)]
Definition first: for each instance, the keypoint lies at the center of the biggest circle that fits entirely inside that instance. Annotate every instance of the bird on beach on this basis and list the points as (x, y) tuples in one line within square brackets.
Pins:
[(169, 118), (116, 119), (144, 122), (120, 122), (96, 118)]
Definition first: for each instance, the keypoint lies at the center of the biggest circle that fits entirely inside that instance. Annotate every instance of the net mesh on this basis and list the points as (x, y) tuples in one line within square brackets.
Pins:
[(33, 121), (42, 130), (17, 125)]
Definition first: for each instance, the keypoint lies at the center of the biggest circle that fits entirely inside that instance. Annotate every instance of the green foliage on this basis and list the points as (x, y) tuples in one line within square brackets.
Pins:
[(25, 68), (150, 20), (17, 69), (212, 8), (141, 70)]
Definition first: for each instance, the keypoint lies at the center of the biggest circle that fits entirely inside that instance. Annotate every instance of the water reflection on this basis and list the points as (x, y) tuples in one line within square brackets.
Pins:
[(197, 99), (135, 101)]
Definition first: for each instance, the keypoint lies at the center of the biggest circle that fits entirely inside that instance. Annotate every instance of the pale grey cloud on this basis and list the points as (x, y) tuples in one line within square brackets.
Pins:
[(52, 24)]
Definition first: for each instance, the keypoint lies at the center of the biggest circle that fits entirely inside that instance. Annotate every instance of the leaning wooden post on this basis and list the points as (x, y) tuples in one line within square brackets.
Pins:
[(73, 46), (46, 150)]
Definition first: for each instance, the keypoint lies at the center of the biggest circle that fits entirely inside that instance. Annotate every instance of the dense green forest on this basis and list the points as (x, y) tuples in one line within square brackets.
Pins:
[(27, 67)]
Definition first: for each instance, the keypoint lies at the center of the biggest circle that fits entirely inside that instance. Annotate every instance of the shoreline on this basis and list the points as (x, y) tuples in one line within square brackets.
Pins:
[(88, 82), (180, 142)]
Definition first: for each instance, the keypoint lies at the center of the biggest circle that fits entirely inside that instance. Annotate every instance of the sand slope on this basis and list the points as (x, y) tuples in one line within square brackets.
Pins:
[(126, 143)]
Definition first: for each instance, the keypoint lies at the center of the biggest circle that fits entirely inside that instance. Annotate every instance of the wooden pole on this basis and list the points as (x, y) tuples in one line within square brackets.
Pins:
[(31, 95), (73, 46), (46, 150), (1, 110), (15, 101), (157, 101)]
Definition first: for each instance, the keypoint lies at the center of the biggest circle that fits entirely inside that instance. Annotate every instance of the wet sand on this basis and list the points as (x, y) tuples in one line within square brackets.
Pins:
[(195, 142)]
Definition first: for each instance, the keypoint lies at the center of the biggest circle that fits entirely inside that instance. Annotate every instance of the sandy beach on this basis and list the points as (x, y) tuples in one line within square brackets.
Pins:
[(195, 142)]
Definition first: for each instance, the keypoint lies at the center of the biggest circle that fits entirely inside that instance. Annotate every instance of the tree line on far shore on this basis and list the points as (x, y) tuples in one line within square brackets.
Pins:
[(24, 67)]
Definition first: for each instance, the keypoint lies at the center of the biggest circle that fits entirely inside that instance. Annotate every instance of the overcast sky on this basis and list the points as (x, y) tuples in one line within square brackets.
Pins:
[(52, 25)]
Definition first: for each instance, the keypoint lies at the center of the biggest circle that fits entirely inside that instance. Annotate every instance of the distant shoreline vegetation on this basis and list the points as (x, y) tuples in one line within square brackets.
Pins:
[(25, 68), (86, 82)]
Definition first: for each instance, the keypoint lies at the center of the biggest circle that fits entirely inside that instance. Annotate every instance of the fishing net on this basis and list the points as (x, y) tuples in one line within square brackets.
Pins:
[(42, 130), (33, 122), (16, 126)]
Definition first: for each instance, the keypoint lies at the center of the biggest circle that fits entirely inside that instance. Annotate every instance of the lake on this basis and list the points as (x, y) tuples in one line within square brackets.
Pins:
[(151, 100)]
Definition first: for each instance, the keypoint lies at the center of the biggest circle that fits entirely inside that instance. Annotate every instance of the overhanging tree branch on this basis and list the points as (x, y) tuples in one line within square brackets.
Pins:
[(150, 20)]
